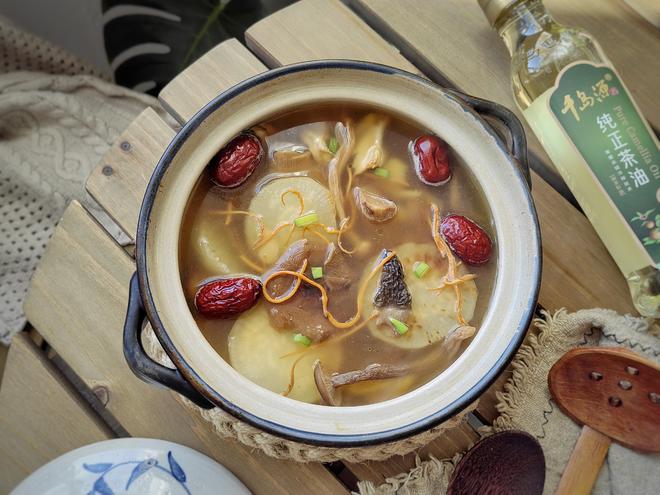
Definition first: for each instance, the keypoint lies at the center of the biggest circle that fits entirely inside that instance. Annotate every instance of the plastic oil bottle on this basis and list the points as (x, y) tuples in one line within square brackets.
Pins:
[(594, 133)]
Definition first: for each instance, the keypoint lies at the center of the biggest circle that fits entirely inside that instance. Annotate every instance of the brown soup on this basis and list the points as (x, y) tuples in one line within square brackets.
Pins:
[(323, 252)]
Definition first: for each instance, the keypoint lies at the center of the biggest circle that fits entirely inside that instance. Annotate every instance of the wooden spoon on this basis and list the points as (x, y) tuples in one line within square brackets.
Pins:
[(508, 462), (615, 394)]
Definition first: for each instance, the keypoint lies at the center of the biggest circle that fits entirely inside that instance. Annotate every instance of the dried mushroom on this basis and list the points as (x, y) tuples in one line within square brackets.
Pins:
[(374, 207), (327, 384)]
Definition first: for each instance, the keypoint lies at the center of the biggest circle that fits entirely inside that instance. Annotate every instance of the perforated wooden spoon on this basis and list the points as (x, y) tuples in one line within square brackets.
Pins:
[(615, 394)]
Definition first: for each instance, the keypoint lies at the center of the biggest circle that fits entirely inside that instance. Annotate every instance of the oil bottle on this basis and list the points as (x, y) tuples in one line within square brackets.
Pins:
[(593, 131)]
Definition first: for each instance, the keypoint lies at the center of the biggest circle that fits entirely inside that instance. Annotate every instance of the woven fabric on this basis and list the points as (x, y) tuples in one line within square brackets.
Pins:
[(23, 51), (525, 404)]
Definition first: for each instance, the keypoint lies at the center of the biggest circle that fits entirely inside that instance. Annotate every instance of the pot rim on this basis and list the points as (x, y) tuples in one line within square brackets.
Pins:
[(287, 432)]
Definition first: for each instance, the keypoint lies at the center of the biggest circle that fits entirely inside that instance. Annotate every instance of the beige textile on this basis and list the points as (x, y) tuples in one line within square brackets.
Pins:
[(53, 130), (23, 51), (525, 405)]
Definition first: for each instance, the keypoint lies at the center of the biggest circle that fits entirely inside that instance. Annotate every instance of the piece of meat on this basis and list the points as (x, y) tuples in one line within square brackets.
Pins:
[(292, 260), (336, 271), (302, 313)]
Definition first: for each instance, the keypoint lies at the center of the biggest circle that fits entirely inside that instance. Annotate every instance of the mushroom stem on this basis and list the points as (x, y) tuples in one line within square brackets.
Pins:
[(327, 384), (374, 371)]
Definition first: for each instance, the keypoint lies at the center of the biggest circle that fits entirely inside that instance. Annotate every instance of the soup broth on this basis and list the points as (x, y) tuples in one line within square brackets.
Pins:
[(347, 267)]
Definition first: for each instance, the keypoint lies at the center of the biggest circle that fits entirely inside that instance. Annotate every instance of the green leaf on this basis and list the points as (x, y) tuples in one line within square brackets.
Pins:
[(333, 145)]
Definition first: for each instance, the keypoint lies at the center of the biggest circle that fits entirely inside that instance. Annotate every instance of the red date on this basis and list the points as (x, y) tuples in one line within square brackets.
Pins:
[(227, 297), (234, 163), (430, 156), (466, 239)]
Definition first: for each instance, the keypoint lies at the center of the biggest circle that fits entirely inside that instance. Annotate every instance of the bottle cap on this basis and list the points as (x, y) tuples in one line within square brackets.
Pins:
[(493, 8)]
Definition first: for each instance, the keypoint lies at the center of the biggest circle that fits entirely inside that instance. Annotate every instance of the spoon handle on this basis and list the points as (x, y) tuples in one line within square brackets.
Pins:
[(585, 463)]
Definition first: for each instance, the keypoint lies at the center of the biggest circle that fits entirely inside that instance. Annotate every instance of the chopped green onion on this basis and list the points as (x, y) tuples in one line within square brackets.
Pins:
[(420, 269), (399, 326), (299, 338), (317, 272), (306, 219), (333, 145), (381, 172)]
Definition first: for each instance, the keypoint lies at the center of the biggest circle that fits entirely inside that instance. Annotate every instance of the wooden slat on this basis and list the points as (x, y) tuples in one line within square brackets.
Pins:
[(647, 9), (453, 38), (40, 418), (217, 77), (293, 35), (77, 301), (119, 181)]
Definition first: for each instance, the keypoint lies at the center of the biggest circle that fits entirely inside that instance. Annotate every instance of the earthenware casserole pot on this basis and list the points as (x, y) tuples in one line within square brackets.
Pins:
[(203, 376)]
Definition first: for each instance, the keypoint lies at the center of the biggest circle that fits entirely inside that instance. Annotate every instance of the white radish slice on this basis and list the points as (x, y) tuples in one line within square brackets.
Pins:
[(256, 350), (268, 205), (433, 312), (213, 248)]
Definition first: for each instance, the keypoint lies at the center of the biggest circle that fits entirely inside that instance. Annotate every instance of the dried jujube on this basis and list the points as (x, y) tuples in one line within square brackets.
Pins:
[(466, 239), (430, 156), (236, 161), (227, 297)]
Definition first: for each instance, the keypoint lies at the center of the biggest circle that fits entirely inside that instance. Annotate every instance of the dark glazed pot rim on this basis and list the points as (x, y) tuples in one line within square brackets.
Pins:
[(313, 438)]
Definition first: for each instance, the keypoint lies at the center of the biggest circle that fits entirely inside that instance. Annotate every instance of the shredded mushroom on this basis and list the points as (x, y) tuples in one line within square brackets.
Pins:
[(337, 165)]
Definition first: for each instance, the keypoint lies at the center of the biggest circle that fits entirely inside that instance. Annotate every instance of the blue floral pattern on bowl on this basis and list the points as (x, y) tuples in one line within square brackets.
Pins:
[(101, 485)]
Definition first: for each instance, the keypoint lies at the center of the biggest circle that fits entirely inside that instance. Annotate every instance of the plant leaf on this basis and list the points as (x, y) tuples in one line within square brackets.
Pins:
[(101, 487), (177, 471), (101, 467), (164, 36), (140, 469)]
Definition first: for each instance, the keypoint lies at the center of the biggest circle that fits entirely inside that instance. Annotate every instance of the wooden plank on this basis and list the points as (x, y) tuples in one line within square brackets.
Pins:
[(40, 417), (293, 35), (648, 9), (119, 181), (78, 300), (453, 39), (215, 78)]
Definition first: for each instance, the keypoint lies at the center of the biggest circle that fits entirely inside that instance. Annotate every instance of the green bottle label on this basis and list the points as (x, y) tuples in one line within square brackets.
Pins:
[(598, 115)]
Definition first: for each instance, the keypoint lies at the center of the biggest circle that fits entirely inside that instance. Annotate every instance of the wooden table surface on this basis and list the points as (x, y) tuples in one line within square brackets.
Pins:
[(66, 384)]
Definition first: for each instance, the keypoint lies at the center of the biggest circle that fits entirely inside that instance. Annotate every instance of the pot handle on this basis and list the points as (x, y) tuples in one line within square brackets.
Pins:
[(140, 363), (498, 117)]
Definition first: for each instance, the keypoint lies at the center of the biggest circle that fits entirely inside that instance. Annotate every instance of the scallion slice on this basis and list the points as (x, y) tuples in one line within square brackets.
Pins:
[(381, 172), (299, 338), (333, 145), (306, 219), (399, 326), (420, 269), (317, 272)]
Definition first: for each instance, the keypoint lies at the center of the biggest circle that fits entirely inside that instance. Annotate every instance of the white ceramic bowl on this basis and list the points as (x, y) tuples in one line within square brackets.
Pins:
[(202, 373), (132, 465)]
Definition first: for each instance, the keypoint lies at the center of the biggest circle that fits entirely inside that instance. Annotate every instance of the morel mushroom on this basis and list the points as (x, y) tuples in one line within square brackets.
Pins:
[(392, 289)]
